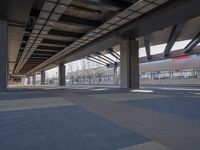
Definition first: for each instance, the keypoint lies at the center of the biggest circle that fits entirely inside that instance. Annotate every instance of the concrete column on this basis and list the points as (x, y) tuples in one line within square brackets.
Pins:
[(34, 79), (29, 81), (61, 75), (171, 74), (115, 75), (42, 78), (3, 55), (129, 64)]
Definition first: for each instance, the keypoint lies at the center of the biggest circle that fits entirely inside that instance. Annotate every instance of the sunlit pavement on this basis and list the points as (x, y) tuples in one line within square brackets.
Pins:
[(102, 117)]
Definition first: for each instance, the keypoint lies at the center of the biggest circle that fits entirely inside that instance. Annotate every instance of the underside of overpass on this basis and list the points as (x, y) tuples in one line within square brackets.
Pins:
[(41, 34), (37, 35)]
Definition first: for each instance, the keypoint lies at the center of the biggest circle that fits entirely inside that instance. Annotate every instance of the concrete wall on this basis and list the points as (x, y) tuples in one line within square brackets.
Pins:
[(171, 82)]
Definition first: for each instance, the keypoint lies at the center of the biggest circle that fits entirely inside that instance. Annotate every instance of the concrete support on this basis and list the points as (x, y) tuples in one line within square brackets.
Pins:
[(61, 75), (34, 79), (129, 64), (42, 78), (3, 55), (115, 75), (29, 80), (171, 74)]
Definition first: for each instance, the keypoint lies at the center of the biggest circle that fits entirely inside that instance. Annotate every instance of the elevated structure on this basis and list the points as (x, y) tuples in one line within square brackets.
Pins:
[(43, 34)]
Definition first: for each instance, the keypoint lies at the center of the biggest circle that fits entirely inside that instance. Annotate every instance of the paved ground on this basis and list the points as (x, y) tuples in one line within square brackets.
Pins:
[(103, 118)]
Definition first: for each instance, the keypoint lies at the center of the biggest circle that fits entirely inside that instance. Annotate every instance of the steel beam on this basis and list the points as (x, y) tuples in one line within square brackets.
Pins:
[(106, 60), (99, 59), (110, 50), (194, 42), (176, 31), (88, 58), (103, 55), (113, 51), (173, 54), (147, 46)]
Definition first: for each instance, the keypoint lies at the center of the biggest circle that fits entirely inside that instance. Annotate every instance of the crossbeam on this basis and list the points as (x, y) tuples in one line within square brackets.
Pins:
[(65, 33), (147, 46), (79, 21), (176, 31), (194, 42)]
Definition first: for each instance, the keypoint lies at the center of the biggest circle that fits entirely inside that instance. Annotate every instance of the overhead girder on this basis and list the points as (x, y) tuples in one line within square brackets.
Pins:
[(42, 54), (72, 19), (171, 13), (53, 45), (112, 5), (176, 31), (56, 42), (113, 53), (49, 47), (35, 60), (100, 56), (79, 21), (49, 13), (194, 42), (65, 33), (46, 50), (147, 46), (88, 10), (40, 57), (103, 55), (146, 24), (25, 38), (99, 59), (173, 54), (89, 58)]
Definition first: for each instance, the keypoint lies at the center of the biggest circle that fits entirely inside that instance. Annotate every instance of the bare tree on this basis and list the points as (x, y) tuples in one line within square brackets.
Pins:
[(70, 72)]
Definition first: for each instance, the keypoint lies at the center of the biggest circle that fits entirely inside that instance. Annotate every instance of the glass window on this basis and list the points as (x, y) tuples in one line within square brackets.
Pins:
[(198, 73), (164, 74), (176, 74), (188, 73)]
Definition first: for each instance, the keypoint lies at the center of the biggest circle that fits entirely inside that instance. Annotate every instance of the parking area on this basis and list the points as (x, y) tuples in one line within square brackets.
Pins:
[(100, 118)]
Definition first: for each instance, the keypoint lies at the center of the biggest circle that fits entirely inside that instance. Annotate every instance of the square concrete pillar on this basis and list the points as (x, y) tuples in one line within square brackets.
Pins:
[(34, 79), (3, 55), (43, 78), (61, 75), (129, 63), (115, 78), (29, 80)]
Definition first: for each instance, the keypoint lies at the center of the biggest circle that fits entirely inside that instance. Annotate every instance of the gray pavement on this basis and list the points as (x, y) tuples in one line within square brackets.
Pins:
[(99, 118)]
